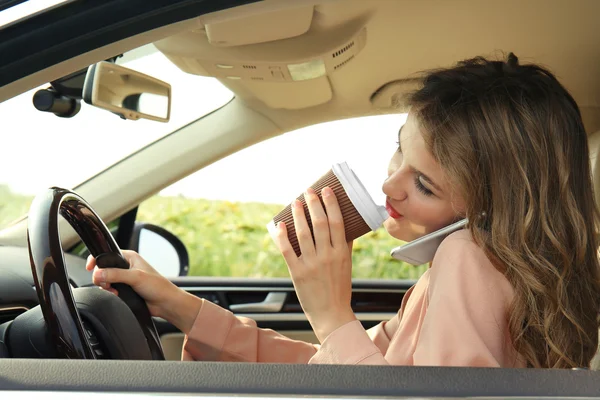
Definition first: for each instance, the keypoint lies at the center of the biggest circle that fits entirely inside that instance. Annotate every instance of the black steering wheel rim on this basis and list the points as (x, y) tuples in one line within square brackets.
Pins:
[(50, 275)]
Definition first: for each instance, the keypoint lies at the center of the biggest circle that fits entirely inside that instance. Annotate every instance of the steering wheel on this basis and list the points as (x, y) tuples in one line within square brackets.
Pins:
[(99, 331)]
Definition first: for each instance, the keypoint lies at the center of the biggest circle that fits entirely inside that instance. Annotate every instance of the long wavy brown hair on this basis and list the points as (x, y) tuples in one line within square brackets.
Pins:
[(512, 141)]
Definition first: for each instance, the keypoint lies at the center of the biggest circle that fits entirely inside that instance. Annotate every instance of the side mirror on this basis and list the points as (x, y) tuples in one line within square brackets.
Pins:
[(163, 250), (126, 92)]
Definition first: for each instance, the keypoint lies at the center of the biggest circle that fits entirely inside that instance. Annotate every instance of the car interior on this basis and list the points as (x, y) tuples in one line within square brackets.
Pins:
[(289, 64)]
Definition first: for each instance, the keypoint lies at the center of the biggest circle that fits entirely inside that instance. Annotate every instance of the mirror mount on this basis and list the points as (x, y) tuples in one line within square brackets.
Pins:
[(126, 92), (162, 249), (51, 100)]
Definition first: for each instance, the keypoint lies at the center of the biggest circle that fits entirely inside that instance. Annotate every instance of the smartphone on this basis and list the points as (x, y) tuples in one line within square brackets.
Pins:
[(422, 250)]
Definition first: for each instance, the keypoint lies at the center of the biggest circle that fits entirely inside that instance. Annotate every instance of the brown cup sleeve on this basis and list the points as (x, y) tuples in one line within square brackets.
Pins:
[(354, 225)]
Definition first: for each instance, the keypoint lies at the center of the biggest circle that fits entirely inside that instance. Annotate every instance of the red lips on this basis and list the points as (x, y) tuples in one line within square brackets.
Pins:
[(393, 213)]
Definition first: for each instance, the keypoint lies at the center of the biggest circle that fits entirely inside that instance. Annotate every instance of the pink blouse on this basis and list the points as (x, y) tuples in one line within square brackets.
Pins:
[(455, 315)]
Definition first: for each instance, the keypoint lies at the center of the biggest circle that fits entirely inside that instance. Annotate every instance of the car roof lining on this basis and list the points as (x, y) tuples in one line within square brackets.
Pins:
[(560, 35)]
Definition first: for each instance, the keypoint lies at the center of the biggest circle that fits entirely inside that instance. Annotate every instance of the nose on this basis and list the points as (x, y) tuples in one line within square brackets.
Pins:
[(395, 185)]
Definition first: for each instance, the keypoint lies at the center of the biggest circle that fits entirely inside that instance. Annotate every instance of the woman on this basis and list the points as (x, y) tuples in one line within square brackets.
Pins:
[(499, 143)]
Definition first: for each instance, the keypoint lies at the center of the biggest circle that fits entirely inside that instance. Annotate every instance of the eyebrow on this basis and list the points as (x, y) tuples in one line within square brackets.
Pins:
[(425, 177)]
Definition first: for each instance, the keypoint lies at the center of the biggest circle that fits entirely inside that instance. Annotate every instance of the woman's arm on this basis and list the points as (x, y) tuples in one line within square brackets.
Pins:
[(213, 333), (218, 335)]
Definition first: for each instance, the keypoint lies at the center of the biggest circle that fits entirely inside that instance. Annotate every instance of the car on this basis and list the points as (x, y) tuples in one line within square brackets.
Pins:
[(222, 78)]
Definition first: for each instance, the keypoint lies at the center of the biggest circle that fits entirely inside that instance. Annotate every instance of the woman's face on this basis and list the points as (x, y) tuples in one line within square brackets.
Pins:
[(419, 198)]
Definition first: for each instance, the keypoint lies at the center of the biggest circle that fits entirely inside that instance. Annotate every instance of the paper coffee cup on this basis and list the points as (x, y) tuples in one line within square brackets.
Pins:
[(359, 211)]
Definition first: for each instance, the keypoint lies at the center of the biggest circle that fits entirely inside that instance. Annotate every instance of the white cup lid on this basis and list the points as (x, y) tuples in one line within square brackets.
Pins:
[(373, 214)]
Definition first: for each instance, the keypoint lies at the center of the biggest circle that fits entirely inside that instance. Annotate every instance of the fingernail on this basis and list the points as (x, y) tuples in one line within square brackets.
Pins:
[(310, 191), (280, 225), (296, 204), (103, 275), (327, 191)]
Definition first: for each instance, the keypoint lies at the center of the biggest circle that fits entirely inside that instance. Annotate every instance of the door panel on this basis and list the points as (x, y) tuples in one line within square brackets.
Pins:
[(273, 304), (119, 380)]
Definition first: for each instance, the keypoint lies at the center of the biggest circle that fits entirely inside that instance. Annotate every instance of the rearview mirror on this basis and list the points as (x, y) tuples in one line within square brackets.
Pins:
[(126, 92), (163, 250)]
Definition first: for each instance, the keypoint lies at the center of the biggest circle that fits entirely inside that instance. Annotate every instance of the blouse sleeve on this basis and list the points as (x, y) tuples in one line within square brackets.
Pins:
[(218, 335)]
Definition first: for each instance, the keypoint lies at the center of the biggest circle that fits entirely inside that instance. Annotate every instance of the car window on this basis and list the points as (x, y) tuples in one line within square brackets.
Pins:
[(46, 150), (221, 211)]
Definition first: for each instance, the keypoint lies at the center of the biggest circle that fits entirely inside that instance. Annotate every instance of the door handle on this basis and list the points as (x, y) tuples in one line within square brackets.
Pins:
[(272, 303)]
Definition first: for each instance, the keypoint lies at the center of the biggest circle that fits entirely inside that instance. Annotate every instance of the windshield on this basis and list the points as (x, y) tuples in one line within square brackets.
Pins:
[(42, 150)]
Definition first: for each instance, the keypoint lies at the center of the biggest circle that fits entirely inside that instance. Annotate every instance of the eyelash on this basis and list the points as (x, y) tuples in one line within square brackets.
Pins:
[(421, 188)]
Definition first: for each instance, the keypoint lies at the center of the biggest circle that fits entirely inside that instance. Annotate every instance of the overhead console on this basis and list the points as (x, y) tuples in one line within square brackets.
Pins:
[(285, 57), (253, 26)]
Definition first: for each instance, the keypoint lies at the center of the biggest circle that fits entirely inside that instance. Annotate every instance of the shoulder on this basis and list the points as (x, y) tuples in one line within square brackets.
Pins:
[(460, 262), (459, 246)]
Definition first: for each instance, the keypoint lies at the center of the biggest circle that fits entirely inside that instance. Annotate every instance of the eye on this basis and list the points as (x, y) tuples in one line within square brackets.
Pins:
[(421, 188)]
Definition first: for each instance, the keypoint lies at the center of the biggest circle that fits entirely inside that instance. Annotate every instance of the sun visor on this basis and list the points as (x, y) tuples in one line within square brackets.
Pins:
[(260, 28)]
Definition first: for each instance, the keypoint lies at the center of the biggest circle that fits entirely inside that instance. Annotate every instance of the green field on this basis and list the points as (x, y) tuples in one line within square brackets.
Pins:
[(12, 206), (230, 239)]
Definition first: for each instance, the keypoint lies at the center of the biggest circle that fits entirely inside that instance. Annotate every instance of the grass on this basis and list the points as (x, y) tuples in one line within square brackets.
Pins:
[(230, 239), (12, 206)]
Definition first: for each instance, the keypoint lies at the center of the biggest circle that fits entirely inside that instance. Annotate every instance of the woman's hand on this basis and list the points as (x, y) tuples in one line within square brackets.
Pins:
[(163, 298), (322, 275)]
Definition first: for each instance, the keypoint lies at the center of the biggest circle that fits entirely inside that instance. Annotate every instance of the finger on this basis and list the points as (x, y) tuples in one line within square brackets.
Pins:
[(101, 285), (98, 280), (319, 221), (110, 289), (284, 245), (334, 216), (305, 240), (103, 276), (90, 263)]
